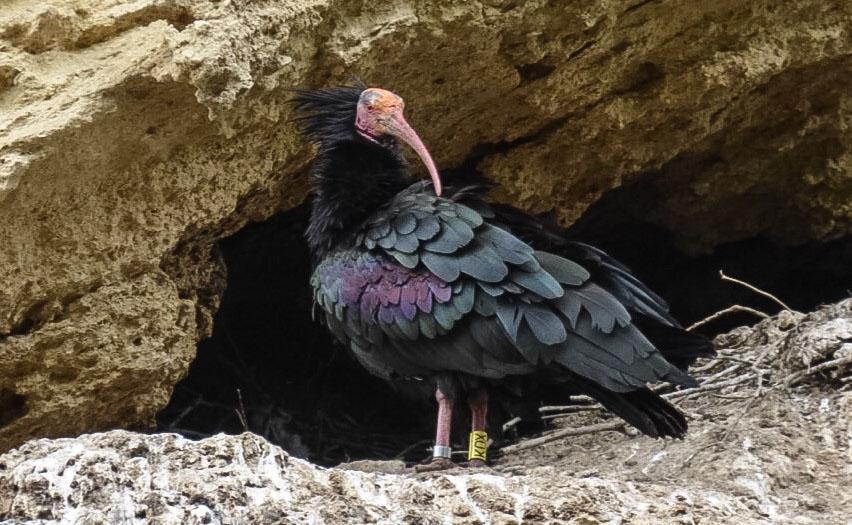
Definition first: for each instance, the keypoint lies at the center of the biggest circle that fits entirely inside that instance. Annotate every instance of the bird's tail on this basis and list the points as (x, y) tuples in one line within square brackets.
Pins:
[(521, 396), (642, 408)]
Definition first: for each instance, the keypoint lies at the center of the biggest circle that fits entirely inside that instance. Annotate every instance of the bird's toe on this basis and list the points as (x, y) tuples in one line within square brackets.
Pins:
[(435, 465), (476, 463)]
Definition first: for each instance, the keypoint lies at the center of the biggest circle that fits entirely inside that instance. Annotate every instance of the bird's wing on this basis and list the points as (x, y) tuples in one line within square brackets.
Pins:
[(649, 311), (423, 263)]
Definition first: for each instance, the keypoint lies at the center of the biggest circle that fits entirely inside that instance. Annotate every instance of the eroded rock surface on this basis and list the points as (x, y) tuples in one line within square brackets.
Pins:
[(133, 135), (120, 477)]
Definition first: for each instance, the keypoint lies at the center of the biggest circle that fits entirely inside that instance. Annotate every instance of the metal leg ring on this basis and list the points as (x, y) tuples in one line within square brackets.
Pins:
[(441, 451)]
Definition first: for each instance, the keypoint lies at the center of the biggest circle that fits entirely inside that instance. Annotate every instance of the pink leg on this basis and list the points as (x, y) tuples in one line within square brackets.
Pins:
[(478, 403), (445, 419), (441, 455)]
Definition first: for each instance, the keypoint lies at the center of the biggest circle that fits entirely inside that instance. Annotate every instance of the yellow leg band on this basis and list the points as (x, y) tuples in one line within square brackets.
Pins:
[(477, 445)]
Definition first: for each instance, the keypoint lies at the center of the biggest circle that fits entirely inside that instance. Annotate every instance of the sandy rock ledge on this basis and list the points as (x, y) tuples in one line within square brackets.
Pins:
[(122, 477)]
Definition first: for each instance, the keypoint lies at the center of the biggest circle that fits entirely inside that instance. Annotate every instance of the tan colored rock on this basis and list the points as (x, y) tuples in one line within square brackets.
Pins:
[(104, 359), (732, 120), (135, 134)]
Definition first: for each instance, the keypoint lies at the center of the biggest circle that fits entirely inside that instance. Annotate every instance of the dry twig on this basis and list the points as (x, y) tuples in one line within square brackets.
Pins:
[(241, 411), (728, 310), (795, 377), (739, 307), (572, 409), (713, 363), (511, 423), (714, 386), (677, 394), (422, 443), (728, 371), (734, 398), (731, 358), (565, 432), (562, 408), (755, 290)]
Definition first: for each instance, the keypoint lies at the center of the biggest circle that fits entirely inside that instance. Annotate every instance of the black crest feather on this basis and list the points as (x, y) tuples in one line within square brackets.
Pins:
[(327, 115)]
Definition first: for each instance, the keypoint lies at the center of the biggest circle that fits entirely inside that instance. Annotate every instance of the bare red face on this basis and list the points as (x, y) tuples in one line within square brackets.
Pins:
[(379, 115)]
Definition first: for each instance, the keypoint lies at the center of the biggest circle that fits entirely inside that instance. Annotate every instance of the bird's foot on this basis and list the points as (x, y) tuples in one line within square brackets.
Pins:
[(435, 465), (476, 463)]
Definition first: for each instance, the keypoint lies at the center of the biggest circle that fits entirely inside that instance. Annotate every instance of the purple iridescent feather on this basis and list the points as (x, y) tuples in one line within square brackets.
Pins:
[(380, 290)]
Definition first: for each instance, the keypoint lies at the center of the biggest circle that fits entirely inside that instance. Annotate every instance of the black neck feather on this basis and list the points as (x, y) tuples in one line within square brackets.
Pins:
[(350, 181)]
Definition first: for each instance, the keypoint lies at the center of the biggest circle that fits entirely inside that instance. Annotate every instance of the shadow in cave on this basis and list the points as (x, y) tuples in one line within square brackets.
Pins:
[(267, 359), (270, 369), (803, 276)]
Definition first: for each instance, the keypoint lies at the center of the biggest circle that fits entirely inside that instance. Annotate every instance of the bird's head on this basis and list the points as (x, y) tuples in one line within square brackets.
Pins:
[(372, 116)]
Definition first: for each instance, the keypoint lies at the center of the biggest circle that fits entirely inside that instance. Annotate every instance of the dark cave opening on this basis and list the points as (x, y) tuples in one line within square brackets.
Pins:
[(803, 276), (270, 369)]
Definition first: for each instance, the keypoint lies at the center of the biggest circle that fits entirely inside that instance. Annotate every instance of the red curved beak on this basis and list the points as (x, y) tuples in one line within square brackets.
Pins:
[(400, 129)]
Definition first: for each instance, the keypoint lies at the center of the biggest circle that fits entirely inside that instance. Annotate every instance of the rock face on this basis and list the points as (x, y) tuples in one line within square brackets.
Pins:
[(773, 449), (134, 135)]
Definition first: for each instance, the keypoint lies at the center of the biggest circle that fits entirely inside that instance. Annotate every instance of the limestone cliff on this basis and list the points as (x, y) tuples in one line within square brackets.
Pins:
[(133, 135)]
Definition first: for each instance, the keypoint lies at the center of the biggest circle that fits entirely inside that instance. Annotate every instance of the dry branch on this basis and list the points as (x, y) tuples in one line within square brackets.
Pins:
[(241, 411), (511, 423), (572, 409), (739, 307), (728, 310), (724, 373), (795, 377), (713, 386), (565, 432), (755, 290)]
